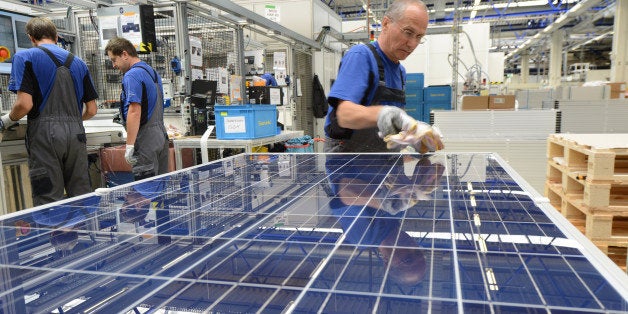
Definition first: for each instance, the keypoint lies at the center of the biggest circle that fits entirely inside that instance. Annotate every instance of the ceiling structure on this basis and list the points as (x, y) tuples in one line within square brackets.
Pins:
[(588, 34)]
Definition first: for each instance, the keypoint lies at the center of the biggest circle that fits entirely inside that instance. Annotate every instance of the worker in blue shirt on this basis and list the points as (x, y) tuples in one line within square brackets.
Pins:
[(367, 98), (54, 88), (270, 79), (141, 109)]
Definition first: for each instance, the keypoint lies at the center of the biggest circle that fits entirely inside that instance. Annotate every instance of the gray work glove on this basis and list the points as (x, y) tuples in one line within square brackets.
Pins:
[(392, 120)]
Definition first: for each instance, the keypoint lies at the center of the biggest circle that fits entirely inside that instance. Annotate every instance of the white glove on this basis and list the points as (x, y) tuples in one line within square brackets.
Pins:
[(6, 122), (128, 154), (392, 120)]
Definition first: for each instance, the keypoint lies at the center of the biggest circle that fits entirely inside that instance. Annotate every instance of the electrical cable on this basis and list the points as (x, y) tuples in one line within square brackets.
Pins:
[(91, 18)]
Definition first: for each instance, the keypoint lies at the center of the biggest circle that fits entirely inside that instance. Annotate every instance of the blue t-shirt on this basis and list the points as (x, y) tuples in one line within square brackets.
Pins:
[(270, 79), (352, 80), (132, 88), (33, 72)]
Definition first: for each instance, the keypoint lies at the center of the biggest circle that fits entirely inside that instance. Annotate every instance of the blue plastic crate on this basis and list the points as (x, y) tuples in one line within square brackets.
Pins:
[(413, 96), (415, 80), (414, 110), (245, 122), (427, 108), (437, 94)]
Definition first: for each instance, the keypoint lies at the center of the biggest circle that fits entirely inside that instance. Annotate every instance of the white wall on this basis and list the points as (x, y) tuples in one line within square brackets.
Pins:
[(305, 17), (598, 75), (495, 67), (431, 58), (354, 26)]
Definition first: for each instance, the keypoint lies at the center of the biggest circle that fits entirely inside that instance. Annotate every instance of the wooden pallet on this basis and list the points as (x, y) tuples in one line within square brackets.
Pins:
[(596, 224), (604, 195), (617, 254), (594, 157), (17, 187)]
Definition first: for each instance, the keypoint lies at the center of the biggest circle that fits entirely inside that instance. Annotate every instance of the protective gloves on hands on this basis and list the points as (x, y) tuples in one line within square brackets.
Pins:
[(6, 122), (128, 154), (421, 137), (392, 120)]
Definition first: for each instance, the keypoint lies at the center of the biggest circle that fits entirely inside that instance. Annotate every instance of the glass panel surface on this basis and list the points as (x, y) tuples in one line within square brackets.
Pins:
[(302, 233)]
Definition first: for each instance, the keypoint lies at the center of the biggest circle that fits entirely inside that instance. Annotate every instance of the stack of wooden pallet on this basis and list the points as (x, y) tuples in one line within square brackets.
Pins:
[(17, 187), (587, 181)]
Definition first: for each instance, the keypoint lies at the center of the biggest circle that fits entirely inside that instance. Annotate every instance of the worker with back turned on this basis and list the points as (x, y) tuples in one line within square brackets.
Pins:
[(56, 90)]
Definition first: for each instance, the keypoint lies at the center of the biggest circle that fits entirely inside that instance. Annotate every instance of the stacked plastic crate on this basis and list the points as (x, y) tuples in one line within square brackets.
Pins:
[(414, 95), (436, 97)]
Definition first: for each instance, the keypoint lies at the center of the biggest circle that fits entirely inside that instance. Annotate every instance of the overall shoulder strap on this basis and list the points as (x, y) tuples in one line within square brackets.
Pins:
[(52, 56), (380, 64), (68, 61), (152, 76)]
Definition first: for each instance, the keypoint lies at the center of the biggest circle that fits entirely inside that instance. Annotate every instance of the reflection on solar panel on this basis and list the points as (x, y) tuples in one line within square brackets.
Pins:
[(296, 233)]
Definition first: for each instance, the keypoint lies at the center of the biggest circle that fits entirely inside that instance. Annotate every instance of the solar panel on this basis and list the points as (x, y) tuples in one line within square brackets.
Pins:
[(297, 233)]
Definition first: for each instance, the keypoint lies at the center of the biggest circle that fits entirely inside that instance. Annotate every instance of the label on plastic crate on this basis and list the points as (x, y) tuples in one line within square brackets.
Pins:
[(235, 124)]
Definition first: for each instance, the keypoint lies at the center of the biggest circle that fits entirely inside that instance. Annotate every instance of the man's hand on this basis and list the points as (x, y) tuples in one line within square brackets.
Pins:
[(6, 122), (392, 120), (421, 137), (128, 154)]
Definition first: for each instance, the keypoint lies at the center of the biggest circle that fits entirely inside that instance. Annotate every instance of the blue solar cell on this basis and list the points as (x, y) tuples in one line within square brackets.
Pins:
[(303, 233)]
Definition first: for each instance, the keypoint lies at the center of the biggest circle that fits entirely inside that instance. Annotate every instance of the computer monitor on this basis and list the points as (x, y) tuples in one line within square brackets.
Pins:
[(204, 89)]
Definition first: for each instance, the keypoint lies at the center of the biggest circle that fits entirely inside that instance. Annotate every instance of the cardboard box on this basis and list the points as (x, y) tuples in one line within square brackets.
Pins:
[(112, 159), (617, 86), (618, 94), (618, 89), (475, 102), (501, 102)]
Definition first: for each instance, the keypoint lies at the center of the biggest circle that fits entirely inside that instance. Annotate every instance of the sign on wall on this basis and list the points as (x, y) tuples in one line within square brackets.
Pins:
[(135, 23), (272, 12)]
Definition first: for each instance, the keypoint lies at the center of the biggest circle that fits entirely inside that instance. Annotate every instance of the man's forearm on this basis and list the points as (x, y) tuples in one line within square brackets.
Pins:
[(355, 116), (133, 123)]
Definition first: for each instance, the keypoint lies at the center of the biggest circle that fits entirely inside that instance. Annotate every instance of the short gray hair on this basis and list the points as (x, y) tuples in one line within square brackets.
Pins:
[(396, 9)]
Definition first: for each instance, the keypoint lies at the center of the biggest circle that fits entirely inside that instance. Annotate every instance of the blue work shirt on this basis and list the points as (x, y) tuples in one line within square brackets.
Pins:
[(132, 89), (353, 79), (270, 79), (33, 72)]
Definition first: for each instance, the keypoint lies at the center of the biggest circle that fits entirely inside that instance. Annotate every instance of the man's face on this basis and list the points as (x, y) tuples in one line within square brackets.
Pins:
[(120, 62), (405, 34)]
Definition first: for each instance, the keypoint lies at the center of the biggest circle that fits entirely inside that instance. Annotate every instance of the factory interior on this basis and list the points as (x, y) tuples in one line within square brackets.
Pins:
[(524, 210)]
